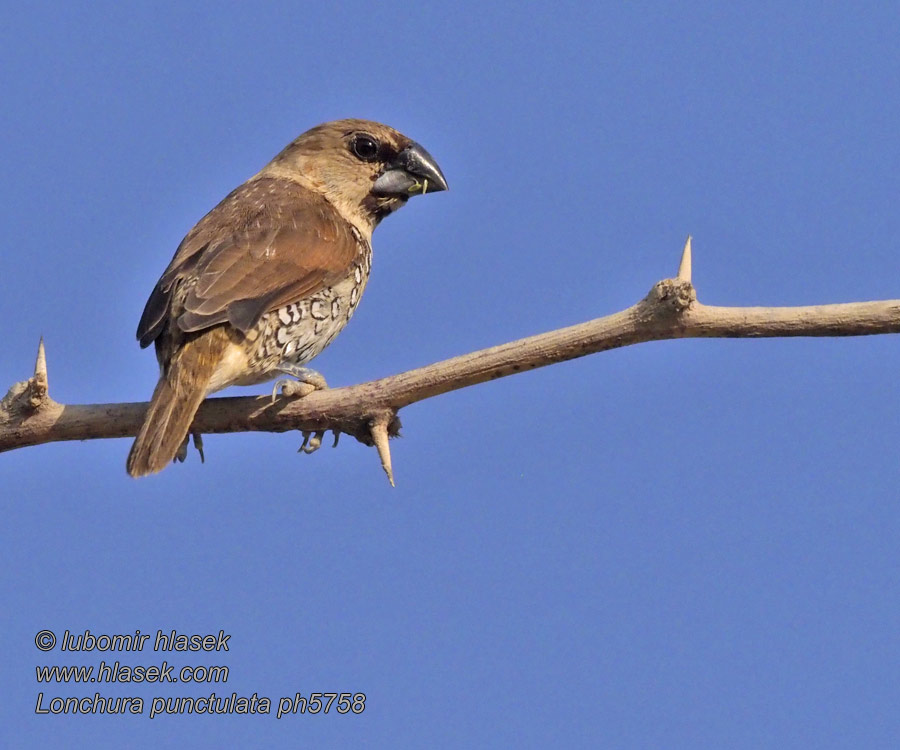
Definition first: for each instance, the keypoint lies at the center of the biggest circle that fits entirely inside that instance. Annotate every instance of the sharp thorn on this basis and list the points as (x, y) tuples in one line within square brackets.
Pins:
[(40, 365), (379, 430), (38, 385), (684, 267)]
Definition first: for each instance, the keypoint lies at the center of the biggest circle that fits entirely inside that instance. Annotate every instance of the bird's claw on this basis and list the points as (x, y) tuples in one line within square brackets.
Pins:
[(198, 444), (181, 455), (307, 381), (292, 388), (311, 441)]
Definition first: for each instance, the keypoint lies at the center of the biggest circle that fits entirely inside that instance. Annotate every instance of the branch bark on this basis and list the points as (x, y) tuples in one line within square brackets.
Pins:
[(28, 416)]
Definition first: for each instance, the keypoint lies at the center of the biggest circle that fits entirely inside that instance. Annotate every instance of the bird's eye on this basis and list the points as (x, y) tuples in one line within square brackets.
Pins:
[(364, 147)]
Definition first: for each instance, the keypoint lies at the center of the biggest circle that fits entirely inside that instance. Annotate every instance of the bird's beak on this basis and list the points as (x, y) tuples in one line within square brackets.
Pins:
[(413, 171)]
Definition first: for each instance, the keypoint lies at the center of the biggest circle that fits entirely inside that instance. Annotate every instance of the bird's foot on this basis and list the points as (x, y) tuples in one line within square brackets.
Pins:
[(181, 456), (307, 381), (312, 441)]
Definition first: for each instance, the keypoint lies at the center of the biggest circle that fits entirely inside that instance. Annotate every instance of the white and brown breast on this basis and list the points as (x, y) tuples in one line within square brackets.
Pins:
[(295, 333)]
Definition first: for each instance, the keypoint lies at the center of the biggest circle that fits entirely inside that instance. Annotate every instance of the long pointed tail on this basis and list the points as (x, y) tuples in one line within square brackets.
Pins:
[(178, 395)]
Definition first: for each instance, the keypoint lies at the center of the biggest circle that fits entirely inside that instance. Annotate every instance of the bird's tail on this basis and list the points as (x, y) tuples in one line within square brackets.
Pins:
[(178, 394)]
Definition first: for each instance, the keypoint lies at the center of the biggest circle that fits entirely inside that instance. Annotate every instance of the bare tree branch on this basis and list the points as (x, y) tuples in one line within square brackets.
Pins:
[(28, 416)]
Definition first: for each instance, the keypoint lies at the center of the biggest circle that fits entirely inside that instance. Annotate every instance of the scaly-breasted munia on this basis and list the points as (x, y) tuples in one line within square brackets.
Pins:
[(271, 275)]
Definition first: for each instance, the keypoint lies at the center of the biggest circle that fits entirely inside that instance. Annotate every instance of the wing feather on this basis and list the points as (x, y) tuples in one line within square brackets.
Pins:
[(269, 243)]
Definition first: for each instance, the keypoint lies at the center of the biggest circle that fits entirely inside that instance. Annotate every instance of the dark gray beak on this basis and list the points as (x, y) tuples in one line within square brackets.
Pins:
[(413, 171)]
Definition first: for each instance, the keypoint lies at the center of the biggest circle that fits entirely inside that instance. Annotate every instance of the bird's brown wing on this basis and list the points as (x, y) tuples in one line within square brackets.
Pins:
[(269, 243)]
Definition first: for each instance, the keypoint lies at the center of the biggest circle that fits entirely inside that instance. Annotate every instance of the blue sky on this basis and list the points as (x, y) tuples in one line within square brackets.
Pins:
[(679, 544)]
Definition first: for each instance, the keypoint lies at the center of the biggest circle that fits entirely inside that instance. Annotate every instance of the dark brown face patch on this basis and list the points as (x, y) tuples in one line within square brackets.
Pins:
[(378, 206)]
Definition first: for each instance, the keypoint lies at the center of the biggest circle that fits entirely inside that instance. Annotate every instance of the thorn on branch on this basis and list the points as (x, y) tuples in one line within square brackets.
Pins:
[(677, 294), (684, 267), (38, 385), (379, 427)]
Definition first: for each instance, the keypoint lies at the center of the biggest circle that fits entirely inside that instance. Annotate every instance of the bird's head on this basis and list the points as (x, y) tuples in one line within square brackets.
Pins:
[(366, 169)]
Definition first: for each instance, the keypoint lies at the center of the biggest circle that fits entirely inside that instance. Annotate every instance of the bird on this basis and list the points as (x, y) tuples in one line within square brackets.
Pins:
[(267, 279)]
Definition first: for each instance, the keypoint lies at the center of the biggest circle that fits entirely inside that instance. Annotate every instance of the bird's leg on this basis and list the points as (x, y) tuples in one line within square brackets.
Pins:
[(307, 381)]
